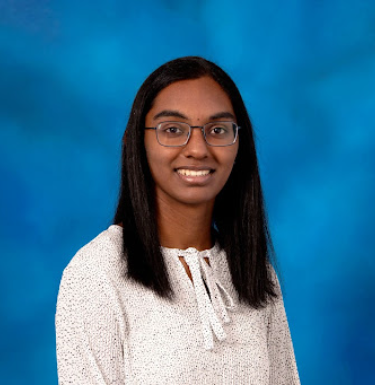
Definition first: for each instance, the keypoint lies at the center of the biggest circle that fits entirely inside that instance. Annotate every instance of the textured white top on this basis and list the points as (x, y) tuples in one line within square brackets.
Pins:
[(111, 330)]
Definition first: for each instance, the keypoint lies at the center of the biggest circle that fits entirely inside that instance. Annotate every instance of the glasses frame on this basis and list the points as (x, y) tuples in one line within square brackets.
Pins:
[(236, 127)]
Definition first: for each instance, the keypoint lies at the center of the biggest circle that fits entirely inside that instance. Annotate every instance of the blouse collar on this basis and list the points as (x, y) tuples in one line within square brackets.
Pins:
[(212, 312)]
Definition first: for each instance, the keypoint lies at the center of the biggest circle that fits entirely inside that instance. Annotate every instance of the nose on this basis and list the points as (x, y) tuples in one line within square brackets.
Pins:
[(196, 147)]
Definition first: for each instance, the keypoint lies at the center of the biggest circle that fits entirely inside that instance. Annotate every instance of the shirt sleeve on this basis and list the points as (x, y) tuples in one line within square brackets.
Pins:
[(90, 330), (283, 367)]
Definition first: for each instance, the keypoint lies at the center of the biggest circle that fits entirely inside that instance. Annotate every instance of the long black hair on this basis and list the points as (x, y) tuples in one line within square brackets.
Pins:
[(239, 215)]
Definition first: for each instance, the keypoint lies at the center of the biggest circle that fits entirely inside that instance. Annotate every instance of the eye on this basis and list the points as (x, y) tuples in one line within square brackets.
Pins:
[(218, 130), (172, 130)]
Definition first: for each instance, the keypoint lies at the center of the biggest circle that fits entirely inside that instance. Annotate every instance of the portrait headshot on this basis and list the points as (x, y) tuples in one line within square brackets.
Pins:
[(190, 199), (186, 204)]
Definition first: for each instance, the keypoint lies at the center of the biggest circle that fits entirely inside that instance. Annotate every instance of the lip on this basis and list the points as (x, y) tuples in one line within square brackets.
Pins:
[(197, 180)]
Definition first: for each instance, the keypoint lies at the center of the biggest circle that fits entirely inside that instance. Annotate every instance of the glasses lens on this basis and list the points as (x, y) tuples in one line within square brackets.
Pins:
[(221, 133), (172, 134)]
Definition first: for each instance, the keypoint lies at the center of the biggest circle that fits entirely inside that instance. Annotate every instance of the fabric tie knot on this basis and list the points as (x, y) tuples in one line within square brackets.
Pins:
[(213, 313)]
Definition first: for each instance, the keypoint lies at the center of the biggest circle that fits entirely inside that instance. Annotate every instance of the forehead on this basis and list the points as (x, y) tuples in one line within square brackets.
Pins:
[(196, 98)]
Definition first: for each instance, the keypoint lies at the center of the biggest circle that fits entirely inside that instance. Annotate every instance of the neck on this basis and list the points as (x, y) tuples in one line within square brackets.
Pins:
[(183, 226)]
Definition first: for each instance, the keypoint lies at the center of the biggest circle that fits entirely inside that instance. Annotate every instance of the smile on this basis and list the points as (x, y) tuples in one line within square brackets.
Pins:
[(194, 173)]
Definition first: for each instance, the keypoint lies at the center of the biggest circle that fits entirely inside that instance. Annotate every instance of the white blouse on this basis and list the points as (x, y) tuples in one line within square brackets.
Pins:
[(112, 330)]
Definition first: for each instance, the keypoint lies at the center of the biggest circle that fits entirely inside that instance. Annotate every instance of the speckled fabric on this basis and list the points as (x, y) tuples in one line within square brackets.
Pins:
[(110, 330)]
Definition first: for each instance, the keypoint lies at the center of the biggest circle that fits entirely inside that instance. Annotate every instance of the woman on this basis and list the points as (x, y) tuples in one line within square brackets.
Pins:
[(180, 289)]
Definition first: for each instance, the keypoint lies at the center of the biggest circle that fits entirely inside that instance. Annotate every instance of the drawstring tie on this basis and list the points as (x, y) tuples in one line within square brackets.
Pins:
[(212, 312)]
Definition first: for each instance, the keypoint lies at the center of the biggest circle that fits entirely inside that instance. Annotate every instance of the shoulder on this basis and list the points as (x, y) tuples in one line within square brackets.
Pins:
[(99, 259), (89, 302)]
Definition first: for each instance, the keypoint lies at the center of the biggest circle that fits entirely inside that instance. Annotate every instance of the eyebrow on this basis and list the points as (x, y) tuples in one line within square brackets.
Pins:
[(221, 115), (177, 114), (167, 113)]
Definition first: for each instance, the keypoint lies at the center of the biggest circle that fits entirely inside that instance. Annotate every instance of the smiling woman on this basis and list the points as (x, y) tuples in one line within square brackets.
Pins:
[(180, 289), (192, 172)]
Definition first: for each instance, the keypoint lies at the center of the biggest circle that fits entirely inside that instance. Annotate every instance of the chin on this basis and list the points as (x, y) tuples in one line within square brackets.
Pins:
[(196, 201), (186, 197)]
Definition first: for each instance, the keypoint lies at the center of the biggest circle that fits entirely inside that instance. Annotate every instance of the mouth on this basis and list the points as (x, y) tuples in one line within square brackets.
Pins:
[(194, 173), (195, 177)]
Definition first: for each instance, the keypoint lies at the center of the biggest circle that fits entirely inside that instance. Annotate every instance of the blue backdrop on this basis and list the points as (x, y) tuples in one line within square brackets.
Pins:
[(68, 74)]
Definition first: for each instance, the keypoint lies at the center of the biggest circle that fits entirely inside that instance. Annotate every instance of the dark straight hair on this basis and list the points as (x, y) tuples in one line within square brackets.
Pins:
[(239, 216)]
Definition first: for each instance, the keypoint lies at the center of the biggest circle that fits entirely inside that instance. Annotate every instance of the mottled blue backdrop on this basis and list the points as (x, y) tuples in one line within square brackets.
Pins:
[(69, 71)]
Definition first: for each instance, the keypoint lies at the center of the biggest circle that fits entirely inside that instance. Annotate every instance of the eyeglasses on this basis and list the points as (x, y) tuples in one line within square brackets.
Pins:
[(177, 134)]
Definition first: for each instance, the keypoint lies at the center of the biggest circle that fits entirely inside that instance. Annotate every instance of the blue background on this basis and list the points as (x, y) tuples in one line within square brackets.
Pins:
[(68, 74)]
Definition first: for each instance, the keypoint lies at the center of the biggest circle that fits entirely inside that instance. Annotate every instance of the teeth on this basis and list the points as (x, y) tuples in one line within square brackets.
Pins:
[(193, 173)]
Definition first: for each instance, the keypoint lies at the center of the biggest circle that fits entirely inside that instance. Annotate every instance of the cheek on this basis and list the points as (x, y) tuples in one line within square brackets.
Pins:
[(160, 162), (153, 163), (230, 158), (151, 149), (230, 163)]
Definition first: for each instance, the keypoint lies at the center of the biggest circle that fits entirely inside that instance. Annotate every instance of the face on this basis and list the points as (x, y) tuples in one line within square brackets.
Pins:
[(196, 173)]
